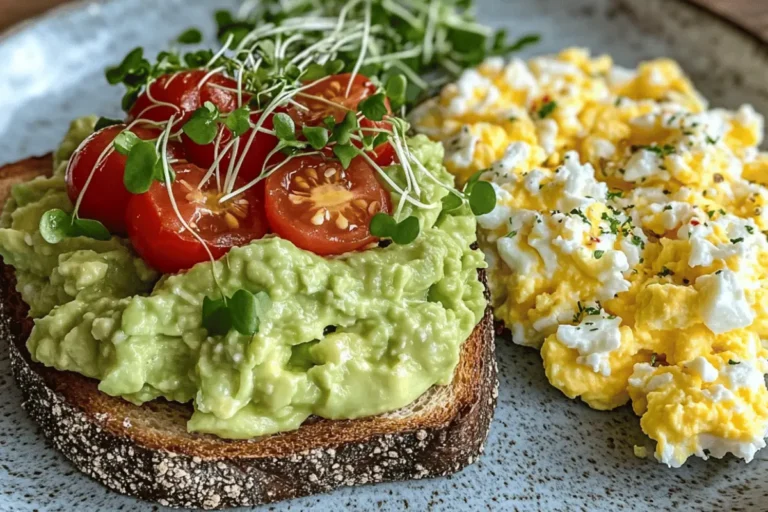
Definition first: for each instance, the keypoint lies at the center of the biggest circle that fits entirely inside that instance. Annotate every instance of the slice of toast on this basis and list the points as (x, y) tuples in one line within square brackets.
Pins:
[(147, 452)]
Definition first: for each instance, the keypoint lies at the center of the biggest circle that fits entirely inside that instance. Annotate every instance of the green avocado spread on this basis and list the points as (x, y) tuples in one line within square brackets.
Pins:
[(357, 335)]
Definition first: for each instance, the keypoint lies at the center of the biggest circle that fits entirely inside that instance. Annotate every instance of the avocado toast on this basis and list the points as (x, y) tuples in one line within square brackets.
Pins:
[(146, 451), (259, 267)]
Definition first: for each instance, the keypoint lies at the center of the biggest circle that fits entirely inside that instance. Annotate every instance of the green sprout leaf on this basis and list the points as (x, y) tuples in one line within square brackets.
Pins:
[(133, 69), (190, 36), (105, 122), (345, 153), (452, 202), (285, 129), (407, 231), (314, 72), (216, 317), (140, 168), (91, 229), (482, 198), (402, 233), (343, 131), (125, 141), (334, 67), (243, 312), (397, 88), (382, 225), (374, 107), (202, 127), (239, 121), (317, 136), (56, 225)]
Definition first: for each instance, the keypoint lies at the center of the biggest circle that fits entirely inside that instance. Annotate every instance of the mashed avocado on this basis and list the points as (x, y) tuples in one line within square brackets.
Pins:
[(398, 315)]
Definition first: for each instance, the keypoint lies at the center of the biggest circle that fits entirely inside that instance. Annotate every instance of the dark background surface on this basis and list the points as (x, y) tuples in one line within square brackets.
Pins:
[(751, 14)]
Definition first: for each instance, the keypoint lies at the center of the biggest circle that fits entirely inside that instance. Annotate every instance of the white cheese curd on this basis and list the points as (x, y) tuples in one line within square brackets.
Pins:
[(580, 188), (603, 148), (500, 213), (460, 150), (642, 164), (519, 77), (468, 85), (719, 393), (546, 130), (517, 256), (619, 75), (745, 374), (573, 232), (611, 278), (594, 338), (673, 213), (703, 368), (643, 378), (719, 447), (540, 238), (633, 246), (532, 181), (503, 170), (723, 305)]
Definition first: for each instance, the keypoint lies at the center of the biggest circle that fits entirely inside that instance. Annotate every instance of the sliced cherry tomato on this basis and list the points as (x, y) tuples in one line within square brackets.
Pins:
[(161, 239), (320, 207), (262, 145), (328, 97), (106, 198), (187, 91)]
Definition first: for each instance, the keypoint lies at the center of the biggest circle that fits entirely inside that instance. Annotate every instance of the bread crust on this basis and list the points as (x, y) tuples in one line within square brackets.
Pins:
[(147, 453)]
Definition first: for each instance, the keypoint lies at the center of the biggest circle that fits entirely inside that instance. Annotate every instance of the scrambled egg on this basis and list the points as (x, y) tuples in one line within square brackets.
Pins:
[(628, 241)]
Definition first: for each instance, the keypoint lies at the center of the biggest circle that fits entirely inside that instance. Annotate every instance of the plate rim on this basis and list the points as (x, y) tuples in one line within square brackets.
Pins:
[(729, 20)]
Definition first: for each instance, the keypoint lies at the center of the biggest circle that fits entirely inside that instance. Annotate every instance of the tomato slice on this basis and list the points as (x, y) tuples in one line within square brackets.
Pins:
[(187, 91), (328, 97), (320, 207), (262, 145), (161, 239), (106, 198)]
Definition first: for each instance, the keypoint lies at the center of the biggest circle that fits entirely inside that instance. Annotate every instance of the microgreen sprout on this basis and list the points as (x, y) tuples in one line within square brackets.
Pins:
[(56, 225)]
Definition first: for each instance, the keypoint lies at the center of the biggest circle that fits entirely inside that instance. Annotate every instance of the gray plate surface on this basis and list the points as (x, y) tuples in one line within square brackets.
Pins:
[(544, 451)]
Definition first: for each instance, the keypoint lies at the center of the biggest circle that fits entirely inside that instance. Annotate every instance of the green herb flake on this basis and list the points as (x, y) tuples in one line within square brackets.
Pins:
[(546, 109)]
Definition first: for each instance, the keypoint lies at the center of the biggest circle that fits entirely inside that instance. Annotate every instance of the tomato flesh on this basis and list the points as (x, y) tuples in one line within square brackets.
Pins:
[(320, 207), (187, 92), (106, 197), (253, 163), (161, 239), (329, 98)]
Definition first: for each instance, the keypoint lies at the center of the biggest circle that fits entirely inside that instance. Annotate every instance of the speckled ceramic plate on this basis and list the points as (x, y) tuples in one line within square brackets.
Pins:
[(544, 451)]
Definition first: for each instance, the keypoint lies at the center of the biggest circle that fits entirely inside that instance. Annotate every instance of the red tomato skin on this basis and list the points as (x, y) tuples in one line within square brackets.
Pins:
[(313, 239), (106, 198), (362, 88), (262, 145), (153, 241), (183, 90), (159, 238)]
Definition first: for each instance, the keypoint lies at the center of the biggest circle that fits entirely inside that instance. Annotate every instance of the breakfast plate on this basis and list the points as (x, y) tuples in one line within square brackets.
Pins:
[(544, 451)]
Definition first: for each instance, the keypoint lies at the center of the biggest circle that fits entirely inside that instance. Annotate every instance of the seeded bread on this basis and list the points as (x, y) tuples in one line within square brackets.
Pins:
[(146, 451)]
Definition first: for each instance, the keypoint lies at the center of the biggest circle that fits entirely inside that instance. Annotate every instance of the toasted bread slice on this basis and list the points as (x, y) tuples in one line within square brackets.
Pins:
[(147, 452)]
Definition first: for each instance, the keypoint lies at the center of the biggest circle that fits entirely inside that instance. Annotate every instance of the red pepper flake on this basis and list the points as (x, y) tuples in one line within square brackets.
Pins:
[(695, 222), (594, 239)]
